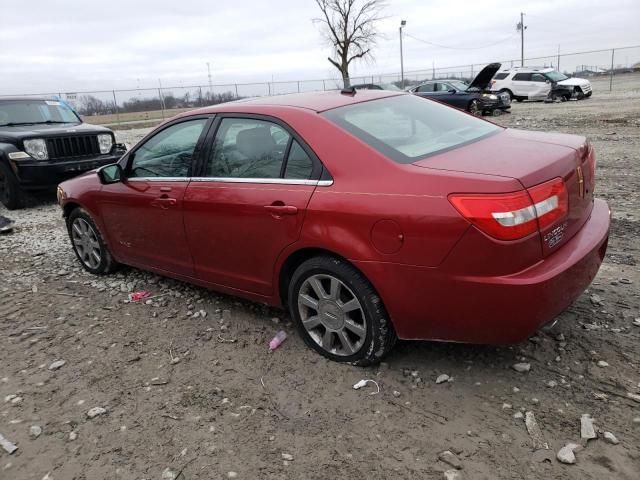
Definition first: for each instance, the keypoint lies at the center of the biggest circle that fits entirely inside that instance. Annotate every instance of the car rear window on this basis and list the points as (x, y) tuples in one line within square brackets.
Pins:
[(407, 128), (501, 76)]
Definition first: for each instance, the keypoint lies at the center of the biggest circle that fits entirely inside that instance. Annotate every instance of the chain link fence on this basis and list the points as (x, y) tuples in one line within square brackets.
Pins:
[(141, 106)]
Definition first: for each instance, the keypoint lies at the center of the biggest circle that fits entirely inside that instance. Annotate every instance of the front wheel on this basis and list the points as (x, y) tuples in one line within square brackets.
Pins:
[(88, 244), (508, 92), (338, 313), (474, 108), (10, 194)]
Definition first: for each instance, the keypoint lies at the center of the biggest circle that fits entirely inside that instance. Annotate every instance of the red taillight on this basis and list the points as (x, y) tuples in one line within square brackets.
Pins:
[(551, 202), (510, 216)]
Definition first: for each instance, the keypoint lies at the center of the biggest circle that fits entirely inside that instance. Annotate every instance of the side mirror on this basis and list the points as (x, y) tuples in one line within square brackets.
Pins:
[(453, 90), (110, 173)]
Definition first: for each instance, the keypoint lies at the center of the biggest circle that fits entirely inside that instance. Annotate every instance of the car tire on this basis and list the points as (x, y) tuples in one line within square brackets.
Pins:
[(588, 95), (508, 92), (88, 243), (519, 99), (11, 195), (474, 108), (579, 94), (332, 302)]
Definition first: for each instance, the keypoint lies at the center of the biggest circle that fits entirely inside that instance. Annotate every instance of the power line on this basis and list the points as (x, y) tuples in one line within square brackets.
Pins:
[(460, 48)]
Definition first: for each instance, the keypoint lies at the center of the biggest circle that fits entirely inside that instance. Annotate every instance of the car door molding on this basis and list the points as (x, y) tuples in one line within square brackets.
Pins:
[(273, 181)]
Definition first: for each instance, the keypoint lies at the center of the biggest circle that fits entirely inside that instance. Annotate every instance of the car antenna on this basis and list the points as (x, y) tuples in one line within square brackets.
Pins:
[(348, 91)]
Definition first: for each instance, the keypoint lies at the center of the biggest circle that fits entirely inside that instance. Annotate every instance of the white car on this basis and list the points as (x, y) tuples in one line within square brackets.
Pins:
[(532, 83)]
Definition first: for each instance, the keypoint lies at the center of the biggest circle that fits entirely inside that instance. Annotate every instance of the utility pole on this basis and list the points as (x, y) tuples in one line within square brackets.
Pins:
[(209, 74), (521, 28), (402, 24), (558, 67)]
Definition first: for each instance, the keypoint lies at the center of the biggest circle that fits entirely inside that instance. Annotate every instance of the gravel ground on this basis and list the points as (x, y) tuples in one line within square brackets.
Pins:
[(187, 384)]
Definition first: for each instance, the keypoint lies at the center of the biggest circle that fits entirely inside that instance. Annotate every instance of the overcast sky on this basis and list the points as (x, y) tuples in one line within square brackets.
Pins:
[(70, 45)]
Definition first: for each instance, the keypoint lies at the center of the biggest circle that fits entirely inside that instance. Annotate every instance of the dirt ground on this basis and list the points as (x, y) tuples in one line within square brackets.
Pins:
[(190, 390)]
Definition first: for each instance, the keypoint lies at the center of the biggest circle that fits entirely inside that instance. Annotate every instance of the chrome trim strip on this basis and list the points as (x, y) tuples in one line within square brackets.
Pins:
[(158, 179), (266, 181)]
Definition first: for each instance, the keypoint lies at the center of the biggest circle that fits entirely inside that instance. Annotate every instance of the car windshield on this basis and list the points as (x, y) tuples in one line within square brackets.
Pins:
[(407, 128), (556, 76), (25, 112)]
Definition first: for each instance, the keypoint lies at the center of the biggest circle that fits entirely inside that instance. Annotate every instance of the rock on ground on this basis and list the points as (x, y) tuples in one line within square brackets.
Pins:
[(450, 458), (566, 454), (522, 367), (587, 432), (611, 438), (95, 411)]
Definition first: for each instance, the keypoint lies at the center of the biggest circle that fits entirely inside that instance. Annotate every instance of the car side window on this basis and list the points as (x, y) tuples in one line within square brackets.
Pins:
[(299, 164), (537, 77), (247, 148), (428, 87), (168, 153), (443, 87), (522, 77), (500, 76)]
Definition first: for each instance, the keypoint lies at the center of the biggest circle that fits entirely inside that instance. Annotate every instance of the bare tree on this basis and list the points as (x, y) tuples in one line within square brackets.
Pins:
[(350, 28)]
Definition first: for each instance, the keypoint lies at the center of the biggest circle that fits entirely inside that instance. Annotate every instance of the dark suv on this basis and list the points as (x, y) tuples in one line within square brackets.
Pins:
[(44, 142)]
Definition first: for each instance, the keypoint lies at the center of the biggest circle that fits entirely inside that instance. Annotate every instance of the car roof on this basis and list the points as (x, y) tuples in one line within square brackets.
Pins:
[(528, 69), (443, 80), (315, 101), (26, 99)]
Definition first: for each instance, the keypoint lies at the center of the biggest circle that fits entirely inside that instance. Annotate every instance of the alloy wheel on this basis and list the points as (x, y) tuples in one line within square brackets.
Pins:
[(85, 241), (332, 315)]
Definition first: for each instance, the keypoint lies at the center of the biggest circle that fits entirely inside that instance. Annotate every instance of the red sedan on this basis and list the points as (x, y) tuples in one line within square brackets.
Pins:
[(369, 215)]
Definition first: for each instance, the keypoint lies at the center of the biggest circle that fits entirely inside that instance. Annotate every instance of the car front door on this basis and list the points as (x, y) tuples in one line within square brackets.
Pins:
[(249, 201), (540, 86), (143, 214), (451, 96)]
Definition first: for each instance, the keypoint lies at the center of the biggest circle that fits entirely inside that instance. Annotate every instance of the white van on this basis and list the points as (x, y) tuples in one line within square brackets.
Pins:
[(534, 83)]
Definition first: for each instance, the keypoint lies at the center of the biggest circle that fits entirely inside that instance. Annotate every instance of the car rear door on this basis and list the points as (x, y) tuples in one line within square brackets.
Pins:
[(143, 214), (248, 202), (522, 86)]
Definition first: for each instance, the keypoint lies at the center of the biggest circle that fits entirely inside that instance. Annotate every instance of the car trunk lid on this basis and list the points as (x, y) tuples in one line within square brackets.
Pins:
[(532, 158)]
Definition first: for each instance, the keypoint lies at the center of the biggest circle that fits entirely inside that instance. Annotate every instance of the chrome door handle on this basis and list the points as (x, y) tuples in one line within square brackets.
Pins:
[(279, 210)]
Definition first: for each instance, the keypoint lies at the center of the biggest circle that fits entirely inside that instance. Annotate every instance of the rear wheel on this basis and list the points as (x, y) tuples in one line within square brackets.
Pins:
[(474, 108), (338, 313), (88, 244), (10, 194)]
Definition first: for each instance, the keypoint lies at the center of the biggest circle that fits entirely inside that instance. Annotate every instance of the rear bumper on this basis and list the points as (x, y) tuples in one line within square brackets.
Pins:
[(35, 175), (426, 303)]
